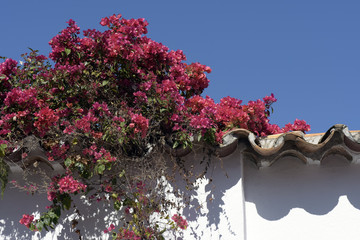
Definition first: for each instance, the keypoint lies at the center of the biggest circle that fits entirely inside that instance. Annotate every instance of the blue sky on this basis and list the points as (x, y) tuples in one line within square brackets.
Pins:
[(305, 52)]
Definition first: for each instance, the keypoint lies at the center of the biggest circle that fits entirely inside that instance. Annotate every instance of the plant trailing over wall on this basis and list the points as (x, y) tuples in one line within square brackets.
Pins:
[(107, 107), (3, 169)]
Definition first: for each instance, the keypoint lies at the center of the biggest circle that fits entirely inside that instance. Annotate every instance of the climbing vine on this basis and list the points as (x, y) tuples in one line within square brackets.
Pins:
[(108, 105)]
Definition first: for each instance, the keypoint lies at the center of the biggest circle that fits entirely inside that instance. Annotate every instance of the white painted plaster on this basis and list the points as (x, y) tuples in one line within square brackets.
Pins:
[(291, 200), (216, 210), (287, 200)]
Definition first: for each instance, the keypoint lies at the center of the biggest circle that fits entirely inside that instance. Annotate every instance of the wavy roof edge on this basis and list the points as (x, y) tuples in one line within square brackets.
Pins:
[(310, 148), (263, 151)]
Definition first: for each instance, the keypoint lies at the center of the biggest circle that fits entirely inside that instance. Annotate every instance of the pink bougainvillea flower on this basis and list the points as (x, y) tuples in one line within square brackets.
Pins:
[(68, 184), (46, 118), (27, 220), (180, 221), (110, 228)]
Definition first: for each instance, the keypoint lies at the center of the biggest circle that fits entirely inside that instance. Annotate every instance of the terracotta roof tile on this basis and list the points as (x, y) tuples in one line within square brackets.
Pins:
[(311, 148), (264, 151)]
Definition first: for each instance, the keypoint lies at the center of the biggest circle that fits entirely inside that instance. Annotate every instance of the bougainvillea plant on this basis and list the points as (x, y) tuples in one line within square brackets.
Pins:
[(105, 104)]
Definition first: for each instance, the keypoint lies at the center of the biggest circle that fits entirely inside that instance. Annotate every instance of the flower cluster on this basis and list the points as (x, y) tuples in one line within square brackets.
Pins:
[(108, 101), (180, 221), (46, 118), (7, 69), (128, 235), (84, 124), (57, 151), (64, 185), (99, 155), (140, 124), (22, 98), (298, 125), (68, 184), (110, 228), (27, 220)]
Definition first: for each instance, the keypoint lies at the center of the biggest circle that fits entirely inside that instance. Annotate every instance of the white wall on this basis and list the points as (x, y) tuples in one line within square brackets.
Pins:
[(221, 200), (291, 200), (215, 211), (16, 203), (288, 200)]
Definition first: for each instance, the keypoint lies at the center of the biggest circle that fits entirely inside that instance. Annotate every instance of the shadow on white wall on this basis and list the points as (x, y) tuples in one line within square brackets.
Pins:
[(289, 183)]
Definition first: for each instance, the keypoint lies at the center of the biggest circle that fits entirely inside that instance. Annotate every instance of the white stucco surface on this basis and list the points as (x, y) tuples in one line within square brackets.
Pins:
[(15, 204), (288, 200), (291, 200), (221, 200)]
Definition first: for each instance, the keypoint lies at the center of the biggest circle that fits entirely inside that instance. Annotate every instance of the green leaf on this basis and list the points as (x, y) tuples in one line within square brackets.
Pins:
[(86, 174), (122, 174), (2, 77), (57, 211), (128, 202), (2, 150), (47, 220), (66, 201), (80, 166), (114, 235), (176, 144), (32, 50), (67, 51), (67, 162), (39, 225), (32, 227), (52, 215), (117, 205), (100, 169), (104, 83), (108, 166)]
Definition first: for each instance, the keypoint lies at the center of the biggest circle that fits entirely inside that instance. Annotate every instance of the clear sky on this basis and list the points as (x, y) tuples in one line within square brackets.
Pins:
[(305, 52)]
